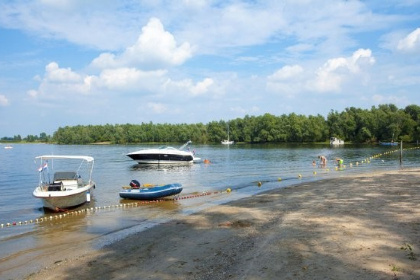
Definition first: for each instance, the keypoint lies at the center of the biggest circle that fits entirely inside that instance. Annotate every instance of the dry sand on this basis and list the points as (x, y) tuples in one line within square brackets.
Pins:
[(360, 227)]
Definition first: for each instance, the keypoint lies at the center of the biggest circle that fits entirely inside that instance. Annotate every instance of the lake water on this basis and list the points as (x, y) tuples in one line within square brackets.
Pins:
[(238, 167)]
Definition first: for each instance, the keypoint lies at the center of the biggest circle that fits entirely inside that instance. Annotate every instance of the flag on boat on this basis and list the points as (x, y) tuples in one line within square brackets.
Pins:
[(45, 166)]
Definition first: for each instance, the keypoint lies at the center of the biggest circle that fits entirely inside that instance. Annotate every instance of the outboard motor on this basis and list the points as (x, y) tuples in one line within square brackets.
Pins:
[(135, 184)]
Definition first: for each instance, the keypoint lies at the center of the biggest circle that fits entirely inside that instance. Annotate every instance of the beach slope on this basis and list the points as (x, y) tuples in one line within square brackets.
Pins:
[(359, 227)]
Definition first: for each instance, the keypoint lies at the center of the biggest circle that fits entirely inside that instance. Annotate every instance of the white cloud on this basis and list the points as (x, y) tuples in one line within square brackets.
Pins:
[(411, 43), (202, 87), (242, 111), (54, 74), (139, 68), (389, 99), (103, 25), (4, 101), (32, 93), (187, 85), (130, 79), (286, 81), (155, 48), (285, 73), (62, 81), (105, 60), (158, 108), (331, 76)]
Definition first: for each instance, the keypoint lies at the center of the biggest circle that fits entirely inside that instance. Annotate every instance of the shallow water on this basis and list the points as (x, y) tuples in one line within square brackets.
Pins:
[(238, 167)]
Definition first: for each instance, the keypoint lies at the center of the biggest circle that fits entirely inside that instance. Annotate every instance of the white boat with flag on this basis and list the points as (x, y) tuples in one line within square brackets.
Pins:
[(65, 181)]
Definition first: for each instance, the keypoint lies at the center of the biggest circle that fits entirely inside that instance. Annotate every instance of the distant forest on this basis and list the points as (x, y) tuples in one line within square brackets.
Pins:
[(382, 123)]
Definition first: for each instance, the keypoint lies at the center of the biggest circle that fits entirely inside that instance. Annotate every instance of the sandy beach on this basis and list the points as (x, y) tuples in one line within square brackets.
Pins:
[(358, 227)]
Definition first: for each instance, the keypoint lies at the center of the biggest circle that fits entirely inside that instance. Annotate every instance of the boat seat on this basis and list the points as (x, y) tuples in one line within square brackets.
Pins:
[(56, 186), (70, 184)]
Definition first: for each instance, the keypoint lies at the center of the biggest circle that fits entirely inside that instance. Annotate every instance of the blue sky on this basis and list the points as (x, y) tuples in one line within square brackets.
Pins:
[(77, 62)]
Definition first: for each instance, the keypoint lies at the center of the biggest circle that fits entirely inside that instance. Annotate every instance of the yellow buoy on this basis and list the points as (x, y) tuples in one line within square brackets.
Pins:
[(314, 172), (259, 184), (300, 176), (228, 190), (279, 179)]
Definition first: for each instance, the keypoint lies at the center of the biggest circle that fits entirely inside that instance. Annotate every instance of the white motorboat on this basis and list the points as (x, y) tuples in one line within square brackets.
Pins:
[(335, 141), (165, 155), (66, 189)]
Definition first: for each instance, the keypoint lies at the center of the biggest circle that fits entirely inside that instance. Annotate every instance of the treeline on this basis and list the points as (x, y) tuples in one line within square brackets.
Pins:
[(382, 123), (41, 138)]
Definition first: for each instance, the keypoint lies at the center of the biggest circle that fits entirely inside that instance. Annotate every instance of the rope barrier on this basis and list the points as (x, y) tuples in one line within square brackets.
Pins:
[(115, 206), (176, 198)]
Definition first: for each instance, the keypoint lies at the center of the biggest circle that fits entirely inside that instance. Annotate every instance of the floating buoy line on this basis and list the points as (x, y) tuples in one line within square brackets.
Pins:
[(71, 213)]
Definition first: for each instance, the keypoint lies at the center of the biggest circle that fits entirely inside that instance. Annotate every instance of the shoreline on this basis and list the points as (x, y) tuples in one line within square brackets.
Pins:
[(350, 227)]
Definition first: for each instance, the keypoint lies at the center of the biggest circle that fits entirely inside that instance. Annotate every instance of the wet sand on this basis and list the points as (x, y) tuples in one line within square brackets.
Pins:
[(358, 227)]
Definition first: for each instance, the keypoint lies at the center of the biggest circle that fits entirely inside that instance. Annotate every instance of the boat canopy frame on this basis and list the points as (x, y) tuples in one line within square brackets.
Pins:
[(88, 159)]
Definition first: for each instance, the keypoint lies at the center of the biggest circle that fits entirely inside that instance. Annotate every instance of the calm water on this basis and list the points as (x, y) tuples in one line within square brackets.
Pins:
[(238, 167)]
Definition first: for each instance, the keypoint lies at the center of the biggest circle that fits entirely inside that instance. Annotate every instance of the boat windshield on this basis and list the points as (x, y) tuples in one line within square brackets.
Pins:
[(166, 148), (58, 176)]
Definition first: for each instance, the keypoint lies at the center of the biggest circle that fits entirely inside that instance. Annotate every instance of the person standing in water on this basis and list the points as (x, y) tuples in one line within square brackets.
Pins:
[(323, 161), (340, 162)]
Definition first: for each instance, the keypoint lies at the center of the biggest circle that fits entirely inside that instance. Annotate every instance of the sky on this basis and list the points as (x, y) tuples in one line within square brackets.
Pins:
[(77, 62)]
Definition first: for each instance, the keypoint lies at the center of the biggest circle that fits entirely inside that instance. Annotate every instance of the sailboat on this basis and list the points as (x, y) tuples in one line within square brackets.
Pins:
[(227, 142)]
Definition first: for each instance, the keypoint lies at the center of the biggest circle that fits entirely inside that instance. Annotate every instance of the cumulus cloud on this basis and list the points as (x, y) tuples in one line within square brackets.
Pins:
[(187, 85), (58, 82), (202, 87), (330, 76), (155, 48), (3, 100), (411, 43), (55, 74), (61, 81), (286, 81), (129, 79), (141, 67), (285, 73)]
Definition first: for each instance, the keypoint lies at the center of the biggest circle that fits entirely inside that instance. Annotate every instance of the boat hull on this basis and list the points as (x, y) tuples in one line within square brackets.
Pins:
[(164, 155), (151, 193), (161, 159), (335, 141), (57, 200)]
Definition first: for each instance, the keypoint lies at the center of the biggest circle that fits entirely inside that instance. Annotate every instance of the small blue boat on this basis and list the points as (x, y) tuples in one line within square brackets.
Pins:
[(151, 193)]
